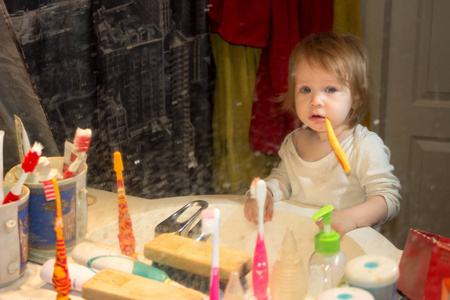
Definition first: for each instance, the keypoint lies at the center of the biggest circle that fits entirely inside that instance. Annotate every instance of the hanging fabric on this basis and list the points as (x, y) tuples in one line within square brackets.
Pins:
[(347, 18), (234, 165), (292, 20), (276, 26)]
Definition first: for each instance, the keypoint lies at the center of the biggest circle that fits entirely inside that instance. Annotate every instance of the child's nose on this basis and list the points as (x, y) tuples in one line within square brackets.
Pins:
[(316, 99)]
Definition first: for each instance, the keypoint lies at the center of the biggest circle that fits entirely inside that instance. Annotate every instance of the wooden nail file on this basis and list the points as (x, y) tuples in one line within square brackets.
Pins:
[(111, 284), (196, 256)]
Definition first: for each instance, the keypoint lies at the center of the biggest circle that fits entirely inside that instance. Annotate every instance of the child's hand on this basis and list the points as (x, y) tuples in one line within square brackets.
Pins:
[(251, 209), (341, 221), (369, 213)]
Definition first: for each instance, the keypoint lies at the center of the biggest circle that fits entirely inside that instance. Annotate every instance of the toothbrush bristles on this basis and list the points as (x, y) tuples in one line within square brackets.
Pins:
[(253, 187), (82, 139), (31, 159), (207, 221), (49, 190)]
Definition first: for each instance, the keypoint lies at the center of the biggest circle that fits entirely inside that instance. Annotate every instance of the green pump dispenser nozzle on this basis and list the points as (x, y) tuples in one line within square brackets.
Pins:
[(327, 241)]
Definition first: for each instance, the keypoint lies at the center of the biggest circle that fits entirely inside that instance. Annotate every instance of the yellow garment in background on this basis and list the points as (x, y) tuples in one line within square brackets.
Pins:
[(234, 165), (347, 18)]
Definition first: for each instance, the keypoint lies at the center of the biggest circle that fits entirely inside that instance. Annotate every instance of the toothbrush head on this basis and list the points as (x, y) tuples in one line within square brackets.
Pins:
[(49, 190), (210, 218), (31, 159), (261, 192), (118, 164), (253, 187), (82, 139)]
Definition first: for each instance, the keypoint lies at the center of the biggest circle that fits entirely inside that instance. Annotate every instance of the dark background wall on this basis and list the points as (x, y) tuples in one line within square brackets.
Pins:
[(138, 73)]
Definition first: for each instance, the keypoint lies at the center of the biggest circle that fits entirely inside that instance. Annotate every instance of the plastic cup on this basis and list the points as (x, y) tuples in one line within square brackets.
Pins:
[(42, 236), (14, 232)]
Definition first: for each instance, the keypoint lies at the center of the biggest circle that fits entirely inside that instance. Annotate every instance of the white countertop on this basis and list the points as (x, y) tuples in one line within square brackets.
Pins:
[(145, 214)]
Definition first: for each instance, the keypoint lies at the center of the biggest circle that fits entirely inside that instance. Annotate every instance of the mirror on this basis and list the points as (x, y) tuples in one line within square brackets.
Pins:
[(146, 87)]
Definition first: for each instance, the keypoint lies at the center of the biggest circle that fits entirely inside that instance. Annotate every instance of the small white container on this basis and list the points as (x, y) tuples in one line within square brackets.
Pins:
[(376, 274), (350, 293)]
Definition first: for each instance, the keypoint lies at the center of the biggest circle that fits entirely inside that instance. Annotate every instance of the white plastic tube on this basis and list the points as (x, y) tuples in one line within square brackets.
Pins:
[(99, 257), (78, 274)]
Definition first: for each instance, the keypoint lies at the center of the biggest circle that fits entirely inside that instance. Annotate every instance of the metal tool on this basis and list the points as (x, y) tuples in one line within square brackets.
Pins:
[(187, 228)]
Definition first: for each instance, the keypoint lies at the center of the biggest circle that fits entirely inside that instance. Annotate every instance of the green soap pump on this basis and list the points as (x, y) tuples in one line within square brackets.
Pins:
[(326, 265)]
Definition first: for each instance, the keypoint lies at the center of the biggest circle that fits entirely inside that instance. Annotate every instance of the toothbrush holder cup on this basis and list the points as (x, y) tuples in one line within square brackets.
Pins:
[(14, 229), (73, 192)]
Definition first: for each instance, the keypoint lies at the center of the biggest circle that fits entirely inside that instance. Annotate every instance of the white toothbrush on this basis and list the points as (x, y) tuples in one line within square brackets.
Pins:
[(261, 199), (210, 225), (260, 274)]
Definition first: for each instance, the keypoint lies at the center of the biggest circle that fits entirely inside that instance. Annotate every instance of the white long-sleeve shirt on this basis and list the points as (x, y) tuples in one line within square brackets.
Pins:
[(324, 182)]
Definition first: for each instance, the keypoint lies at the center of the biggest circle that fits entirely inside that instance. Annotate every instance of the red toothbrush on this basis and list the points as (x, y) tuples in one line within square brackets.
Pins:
[(81, 142), (29, 163)]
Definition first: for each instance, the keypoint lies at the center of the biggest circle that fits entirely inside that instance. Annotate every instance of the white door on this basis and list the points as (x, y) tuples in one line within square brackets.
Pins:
[(416, 118)]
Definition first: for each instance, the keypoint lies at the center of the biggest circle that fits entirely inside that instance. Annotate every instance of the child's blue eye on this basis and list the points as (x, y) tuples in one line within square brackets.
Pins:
[(305, 90), (330, 90)]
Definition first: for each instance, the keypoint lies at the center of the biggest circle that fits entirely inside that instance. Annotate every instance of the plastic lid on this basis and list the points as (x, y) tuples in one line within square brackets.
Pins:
[(327, 241), (349, 293), (372, 271), (44, 171)]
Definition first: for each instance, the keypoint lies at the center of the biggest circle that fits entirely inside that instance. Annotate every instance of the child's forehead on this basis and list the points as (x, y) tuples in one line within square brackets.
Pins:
[(305, 70), (311, 65)]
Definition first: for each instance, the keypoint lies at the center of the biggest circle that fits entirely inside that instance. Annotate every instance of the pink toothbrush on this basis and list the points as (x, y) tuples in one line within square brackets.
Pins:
[(81, 142), (260, 273), (210, 225), (29, 163)]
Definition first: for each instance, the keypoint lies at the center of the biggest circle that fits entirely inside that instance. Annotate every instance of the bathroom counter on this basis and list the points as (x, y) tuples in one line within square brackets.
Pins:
[(146, 214)]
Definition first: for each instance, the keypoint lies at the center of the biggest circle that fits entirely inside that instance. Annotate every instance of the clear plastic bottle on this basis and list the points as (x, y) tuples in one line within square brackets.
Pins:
[(234, 289), (326, 267), (288, 280)]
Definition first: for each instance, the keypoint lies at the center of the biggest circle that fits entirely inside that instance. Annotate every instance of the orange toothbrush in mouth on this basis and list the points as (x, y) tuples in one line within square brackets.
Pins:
[(337, 147)]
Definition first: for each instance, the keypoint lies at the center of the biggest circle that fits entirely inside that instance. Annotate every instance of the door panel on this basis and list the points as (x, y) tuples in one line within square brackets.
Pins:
[(417, 124), (427, 183)]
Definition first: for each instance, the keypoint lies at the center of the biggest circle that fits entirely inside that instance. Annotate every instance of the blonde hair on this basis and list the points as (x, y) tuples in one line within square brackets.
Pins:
[(341, 55)]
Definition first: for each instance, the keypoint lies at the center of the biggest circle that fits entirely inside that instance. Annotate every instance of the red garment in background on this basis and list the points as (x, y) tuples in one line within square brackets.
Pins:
[(245, 22), (277, 26)]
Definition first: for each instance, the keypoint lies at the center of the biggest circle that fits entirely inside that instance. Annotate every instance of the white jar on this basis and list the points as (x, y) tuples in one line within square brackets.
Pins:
[(351, 293), (376, 274)]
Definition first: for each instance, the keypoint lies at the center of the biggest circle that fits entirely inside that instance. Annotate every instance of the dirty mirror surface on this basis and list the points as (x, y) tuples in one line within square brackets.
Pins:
[(146, 86)]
